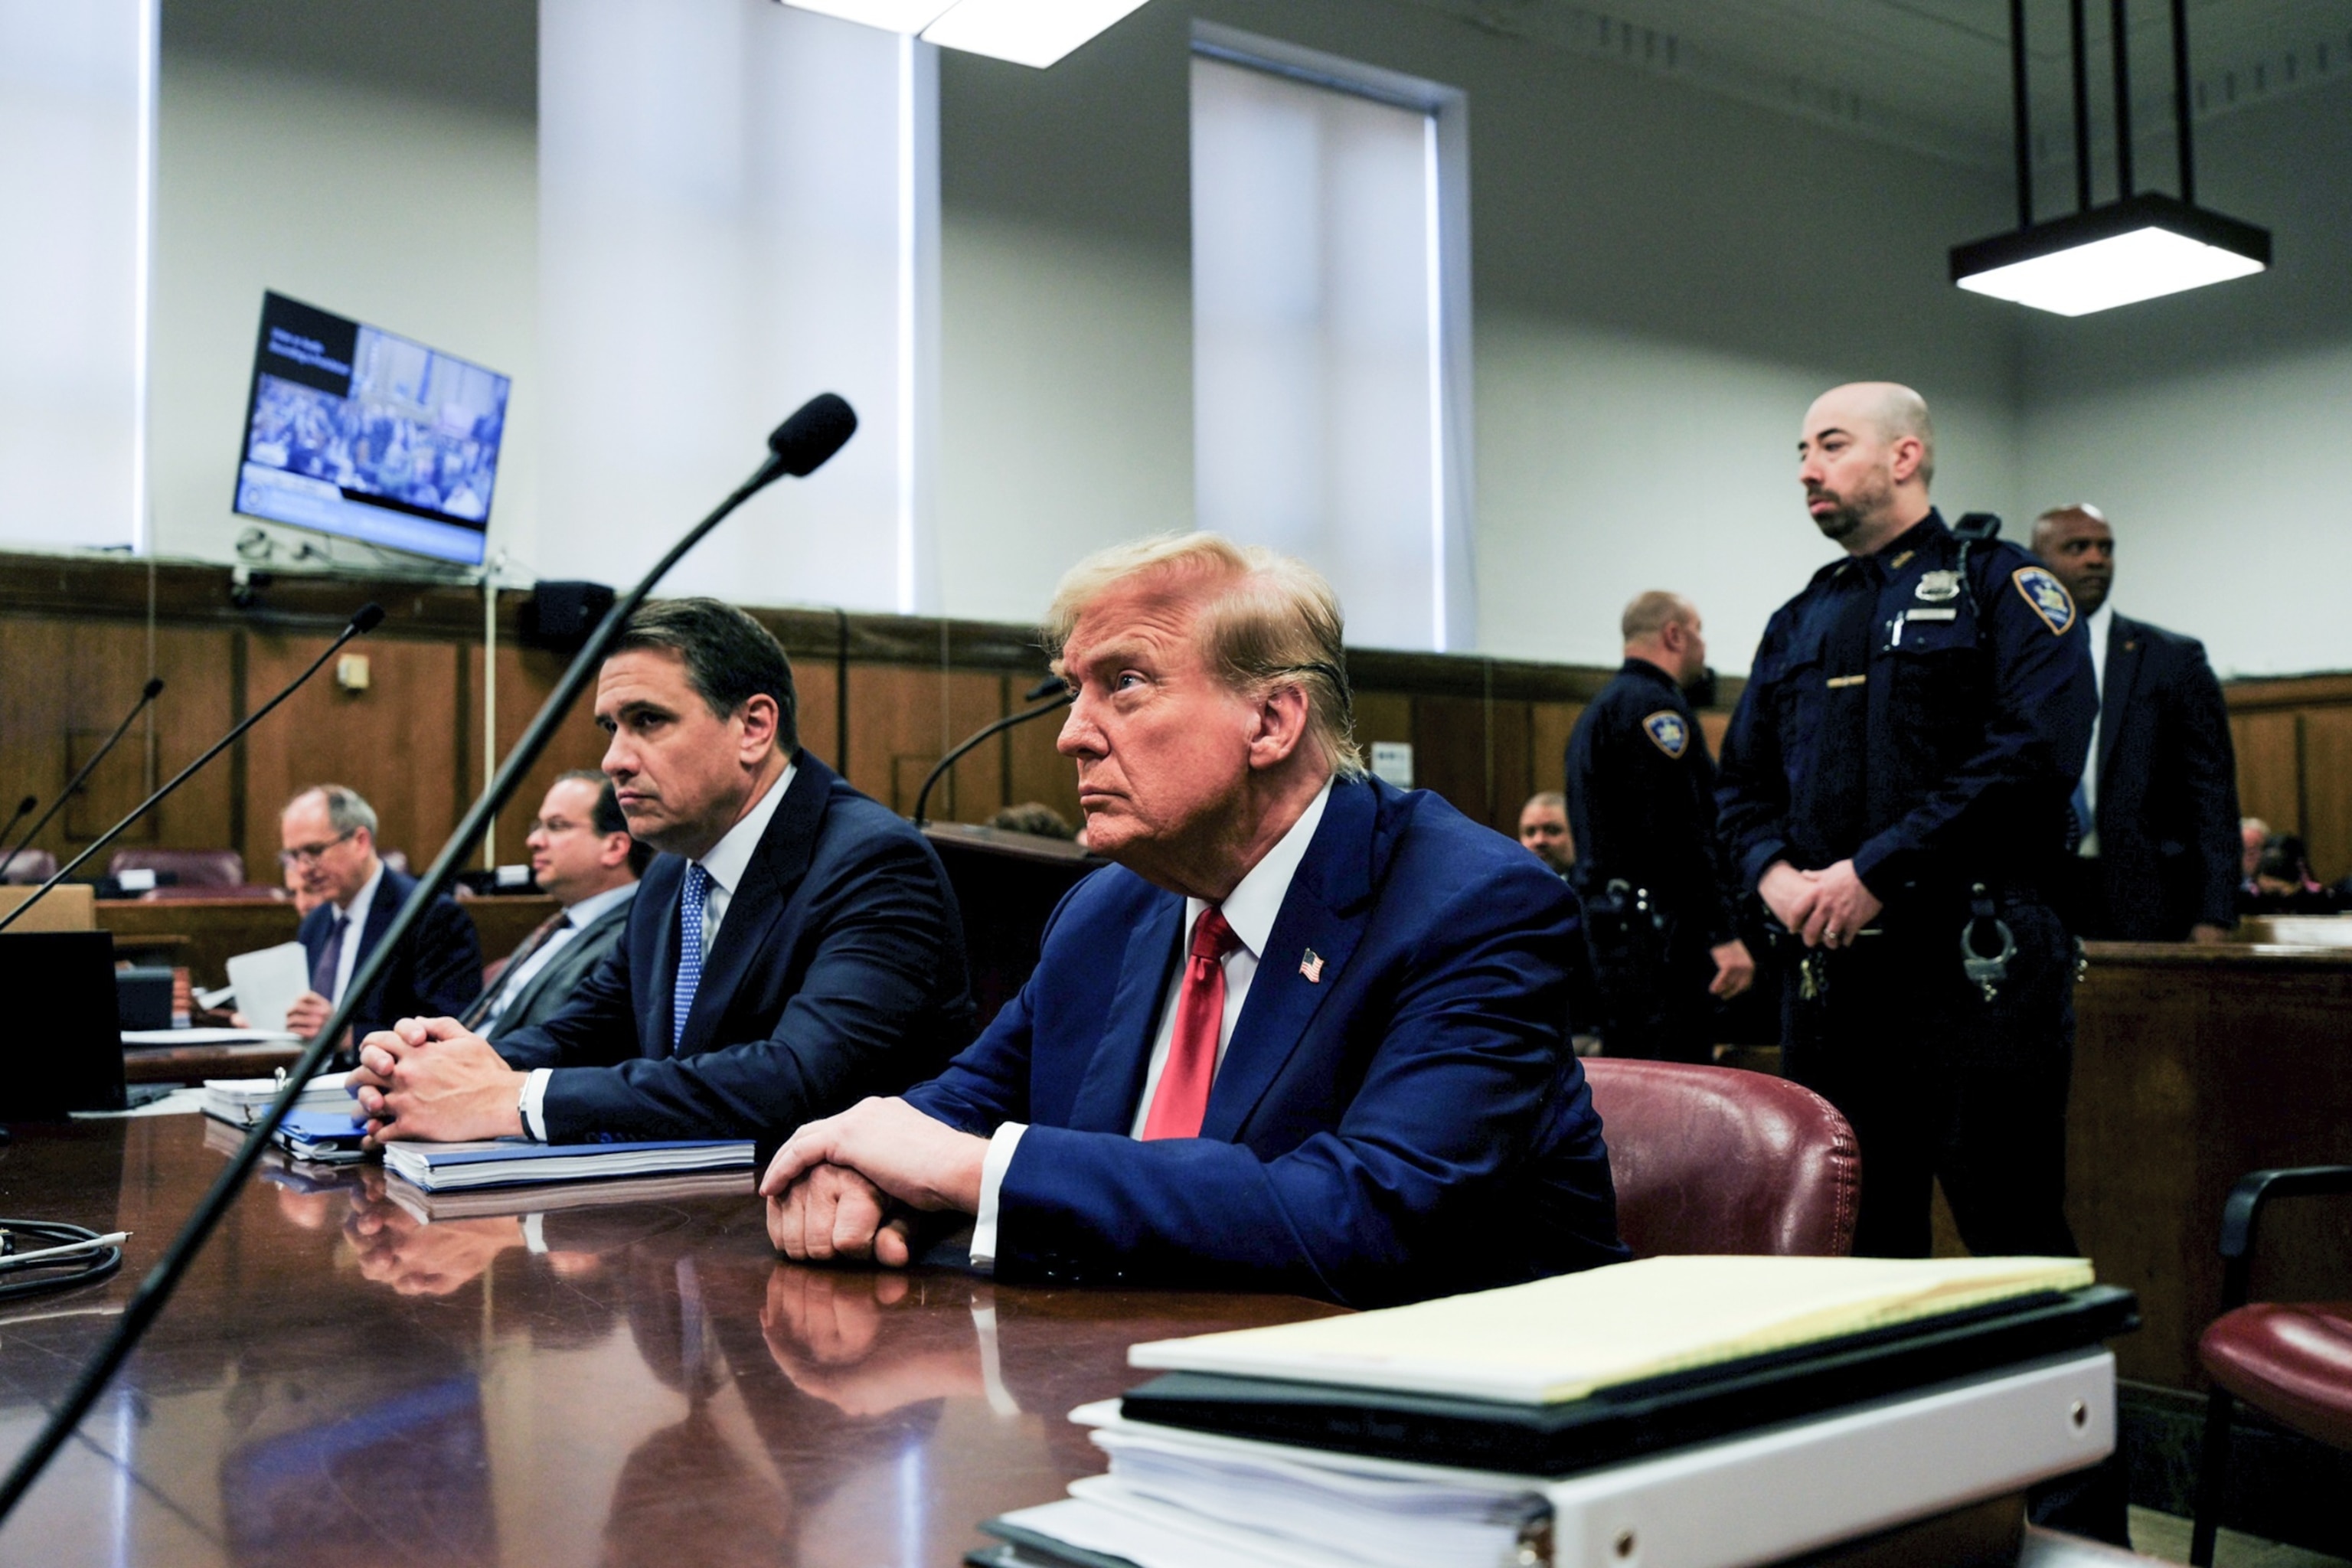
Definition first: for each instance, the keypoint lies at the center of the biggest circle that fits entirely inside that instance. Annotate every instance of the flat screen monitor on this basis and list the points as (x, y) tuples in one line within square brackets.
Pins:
[(353, 431)]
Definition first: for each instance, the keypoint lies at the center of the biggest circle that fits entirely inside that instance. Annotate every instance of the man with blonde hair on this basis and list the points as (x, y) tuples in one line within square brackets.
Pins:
[(1306, 1035)]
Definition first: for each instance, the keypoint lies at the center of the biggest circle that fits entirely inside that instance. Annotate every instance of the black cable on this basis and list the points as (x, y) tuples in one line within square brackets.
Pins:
[(38, 1278)]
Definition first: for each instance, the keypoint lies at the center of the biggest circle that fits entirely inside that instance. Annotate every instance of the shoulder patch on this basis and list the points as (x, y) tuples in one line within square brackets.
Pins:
[(1667, 731), (2047, 596)]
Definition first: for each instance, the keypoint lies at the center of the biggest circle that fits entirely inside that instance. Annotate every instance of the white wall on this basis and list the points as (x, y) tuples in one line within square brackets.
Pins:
[(1663, 281), (2215, 428), (75, 120), (413, 215)]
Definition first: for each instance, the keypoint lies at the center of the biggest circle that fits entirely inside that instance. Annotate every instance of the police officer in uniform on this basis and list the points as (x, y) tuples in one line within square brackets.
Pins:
[(1895, 785), (1650, 872)]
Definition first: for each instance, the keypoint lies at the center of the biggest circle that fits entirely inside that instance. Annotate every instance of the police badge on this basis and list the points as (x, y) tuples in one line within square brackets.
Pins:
[(1667, 731), (1936, 587), (2047, 596)]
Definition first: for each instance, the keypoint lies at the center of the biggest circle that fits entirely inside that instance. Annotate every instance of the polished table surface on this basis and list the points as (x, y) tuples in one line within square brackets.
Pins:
[(338, 1382)]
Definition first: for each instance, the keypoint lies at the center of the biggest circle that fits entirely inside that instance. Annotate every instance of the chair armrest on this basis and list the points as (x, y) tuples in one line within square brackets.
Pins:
[(2242, 1211)]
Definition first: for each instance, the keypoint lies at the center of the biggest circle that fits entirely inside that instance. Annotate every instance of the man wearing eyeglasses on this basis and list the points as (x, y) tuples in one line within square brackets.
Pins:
[(584, 858), (328, 832)]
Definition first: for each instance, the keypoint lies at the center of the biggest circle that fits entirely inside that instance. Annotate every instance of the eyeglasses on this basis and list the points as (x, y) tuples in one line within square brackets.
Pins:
[(310, 854)]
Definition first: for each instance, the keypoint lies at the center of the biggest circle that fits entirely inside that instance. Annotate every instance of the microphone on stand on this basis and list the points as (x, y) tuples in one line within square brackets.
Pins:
[(1051, 684), (798, 446), (363, 622), (153, 688), (23, 809)]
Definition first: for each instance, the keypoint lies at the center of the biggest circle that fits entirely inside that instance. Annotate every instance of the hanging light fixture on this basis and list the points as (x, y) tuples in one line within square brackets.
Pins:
[(2142, 245), (1026, 32)]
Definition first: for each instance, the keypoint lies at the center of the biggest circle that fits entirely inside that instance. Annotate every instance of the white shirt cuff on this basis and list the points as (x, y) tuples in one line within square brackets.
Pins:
[(534, 1234), (992, 1167), (534, 1101)]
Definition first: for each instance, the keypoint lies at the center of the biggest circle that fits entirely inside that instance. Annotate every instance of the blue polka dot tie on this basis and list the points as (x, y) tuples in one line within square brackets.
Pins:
[(689, 951)]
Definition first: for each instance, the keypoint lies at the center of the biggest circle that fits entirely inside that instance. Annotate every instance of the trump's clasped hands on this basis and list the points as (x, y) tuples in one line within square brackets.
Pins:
[(831, 1188)]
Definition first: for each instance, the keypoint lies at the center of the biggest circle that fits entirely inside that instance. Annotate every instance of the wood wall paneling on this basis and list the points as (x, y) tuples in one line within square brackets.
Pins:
[(2270, 769), (904, 718), (395, 743), (1549, 724), (1035, 771), (2328, 791)]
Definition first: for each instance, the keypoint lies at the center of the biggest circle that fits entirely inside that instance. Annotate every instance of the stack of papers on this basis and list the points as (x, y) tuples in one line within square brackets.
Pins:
[(1863, 1394), (322, 1137), (487, 1203), (517, 1162), (240, 1102)]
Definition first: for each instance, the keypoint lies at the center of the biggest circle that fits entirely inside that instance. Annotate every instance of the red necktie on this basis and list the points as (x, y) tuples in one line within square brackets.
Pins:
[(1182, 1100)]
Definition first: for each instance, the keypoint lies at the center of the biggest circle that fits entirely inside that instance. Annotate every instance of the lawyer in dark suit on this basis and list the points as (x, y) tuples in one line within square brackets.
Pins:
[(794, 947), (1306, 1036), (581, 856), (328, 834), (2159, 852)]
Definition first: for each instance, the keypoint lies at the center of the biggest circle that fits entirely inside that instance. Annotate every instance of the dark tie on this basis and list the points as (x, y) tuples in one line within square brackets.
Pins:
[(1181, 1101), (481, 1011), (331, 957), (1845, 741)]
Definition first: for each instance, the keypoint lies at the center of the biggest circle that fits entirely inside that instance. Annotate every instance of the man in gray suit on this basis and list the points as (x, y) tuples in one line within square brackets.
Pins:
[(583, 856)]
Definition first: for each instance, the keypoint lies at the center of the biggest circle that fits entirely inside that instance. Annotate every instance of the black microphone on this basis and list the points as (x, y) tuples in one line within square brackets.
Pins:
[(1050, 685), (23, 809), (365, 621), (798, 445), (153, 688)]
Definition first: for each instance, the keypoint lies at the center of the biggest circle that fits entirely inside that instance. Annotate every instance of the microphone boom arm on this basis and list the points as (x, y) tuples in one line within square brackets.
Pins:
[(939, 771), (154, 1290), (154, 689)]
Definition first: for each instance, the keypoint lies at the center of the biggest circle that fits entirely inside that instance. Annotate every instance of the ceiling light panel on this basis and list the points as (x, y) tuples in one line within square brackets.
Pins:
[(894, 16), (2121, 269), (1026, 32)]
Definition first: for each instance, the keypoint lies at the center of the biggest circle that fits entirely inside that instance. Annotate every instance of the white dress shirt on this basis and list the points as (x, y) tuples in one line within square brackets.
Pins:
[(355, 915), (1250, 909), (725, 865), (2094, 627), (579, 916)]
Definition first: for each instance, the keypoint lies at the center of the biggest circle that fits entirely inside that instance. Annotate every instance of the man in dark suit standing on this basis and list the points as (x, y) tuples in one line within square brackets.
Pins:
[(794, 947), (2158, 805), (328, 833), (1308, 1035), (581, 857)]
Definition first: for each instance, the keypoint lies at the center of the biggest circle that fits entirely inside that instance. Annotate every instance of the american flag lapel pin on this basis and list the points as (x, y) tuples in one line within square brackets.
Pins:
[(1312, 966)]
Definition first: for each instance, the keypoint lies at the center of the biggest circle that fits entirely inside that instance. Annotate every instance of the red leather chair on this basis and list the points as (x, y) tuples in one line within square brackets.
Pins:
[(2290, 1360), (30, 868), (1716, 1160), (187, 867)]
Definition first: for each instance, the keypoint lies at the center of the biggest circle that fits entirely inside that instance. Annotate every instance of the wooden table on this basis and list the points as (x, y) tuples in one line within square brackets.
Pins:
[(338, 1384), (2193, 1066)]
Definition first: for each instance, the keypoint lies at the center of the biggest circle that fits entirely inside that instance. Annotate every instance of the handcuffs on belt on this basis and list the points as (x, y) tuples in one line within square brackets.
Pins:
[(1987, 972)]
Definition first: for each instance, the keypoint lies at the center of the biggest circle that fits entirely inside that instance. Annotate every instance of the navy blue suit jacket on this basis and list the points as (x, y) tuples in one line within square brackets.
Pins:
[(1410, 1124), (438, 971), (2167, 806), (838, 972)]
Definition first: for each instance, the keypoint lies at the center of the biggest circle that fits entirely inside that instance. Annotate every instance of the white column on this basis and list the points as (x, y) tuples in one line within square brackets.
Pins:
[(738, 208), (77, 138)]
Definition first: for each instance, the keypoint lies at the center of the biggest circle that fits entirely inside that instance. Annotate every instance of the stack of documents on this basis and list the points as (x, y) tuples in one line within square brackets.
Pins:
[(240, 1102), (486, 1203), (329, 1137), (517, 1161), (1680, 1412)]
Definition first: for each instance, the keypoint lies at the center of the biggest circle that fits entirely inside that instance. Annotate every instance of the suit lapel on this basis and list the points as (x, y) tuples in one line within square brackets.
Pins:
[(565, 967), (1114, 1078), (1323, 913), (752, 910), (2126, 644)]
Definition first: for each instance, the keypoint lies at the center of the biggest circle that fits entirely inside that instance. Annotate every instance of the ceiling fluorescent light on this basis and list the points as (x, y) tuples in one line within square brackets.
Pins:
[(892, 15), (2119, 253), (1026, 32)]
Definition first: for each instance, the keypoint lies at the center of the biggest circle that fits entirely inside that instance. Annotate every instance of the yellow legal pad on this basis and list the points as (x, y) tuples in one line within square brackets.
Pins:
[(1562, 1338)]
